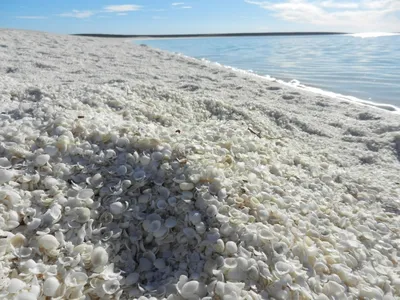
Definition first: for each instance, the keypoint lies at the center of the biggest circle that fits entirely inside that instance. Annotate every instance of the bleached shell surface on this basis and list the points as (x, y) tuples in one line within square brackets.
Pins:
[(134, 173)]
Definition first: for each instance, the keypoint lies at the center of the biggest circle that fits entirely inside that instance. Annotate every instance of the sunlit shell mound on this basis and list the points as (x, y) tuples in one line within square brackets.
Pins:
[(131, 190)]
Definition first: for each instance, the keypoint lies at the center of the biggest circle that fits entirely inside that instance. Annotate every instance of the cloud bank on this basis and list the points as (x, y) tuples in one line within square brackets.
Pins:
[(365, 15)]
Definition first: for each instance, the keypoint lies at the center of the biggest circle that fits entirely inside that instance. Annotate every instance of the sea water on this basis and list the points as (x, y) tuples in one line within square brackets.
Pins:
[(363, 66)]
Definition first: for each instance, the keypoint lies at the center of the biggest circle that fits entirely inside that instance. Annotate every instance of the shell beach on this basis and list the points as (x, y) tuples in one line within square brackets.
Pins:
[(127, 172)]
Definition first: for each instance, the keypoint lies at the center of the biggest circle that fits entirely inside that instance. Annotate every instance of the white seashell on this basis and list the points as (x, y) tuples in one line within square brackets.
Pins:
[(242, 263), (48, 242), (50, 286), (186, 186), (25, 296), (99, 257), (230, 262), (24, 252), (333, 289), (42, 159), (145, 160), (231, 247), (187, 195), (369, 292), (75, 279), (15, 285), (82, 214), (195, 217), (201, 228), (212, 211), (110, 153), (219, 246), (122, 170), (117, 208), (18, 240), (157, 156), (282, 268), (85, 194), (51, 150), (96, 180), (5, 163), (5, 176), (189, 289), (111, 286)]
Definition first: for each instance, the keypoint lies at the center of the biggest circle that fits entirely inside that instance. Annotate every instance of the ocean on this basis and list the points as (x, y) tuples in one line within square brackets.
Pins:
[(351, 65)]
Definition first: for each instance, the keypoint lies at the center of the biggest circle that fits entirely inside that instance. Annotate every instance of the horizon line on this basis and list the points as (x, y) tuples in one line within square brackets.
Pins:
[(209, 34)]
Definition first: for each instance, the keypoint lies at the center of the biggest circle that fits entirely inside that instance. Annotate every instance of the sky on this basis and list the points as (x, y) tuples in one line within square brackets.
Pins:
[(200, 16)]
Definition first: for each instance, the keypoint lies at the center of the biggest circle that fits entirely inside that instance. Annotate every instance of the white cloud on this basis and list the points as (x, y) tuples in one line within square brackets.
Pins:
[(177, 3), (31, 17), (122, 14), (185, 7), (122, 8), (333, 4), (79, 14), (368, 15)]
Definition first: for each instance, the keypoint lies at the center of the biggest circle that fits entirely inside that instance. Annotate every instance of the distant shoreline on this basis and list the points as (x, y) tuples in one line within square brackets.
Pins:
[(205, 35)]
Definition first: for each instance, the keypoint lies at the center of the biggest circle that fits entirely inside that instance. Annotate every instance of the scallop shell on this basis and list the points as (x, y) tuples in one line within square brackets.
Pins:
[(15, 285), (50, 286), (5, 176), (48, 242)]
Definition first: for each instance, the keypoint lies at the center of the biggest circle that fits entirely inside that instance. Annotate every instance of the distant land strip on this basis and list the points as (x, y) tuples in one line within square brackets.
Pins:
[(204, 35)]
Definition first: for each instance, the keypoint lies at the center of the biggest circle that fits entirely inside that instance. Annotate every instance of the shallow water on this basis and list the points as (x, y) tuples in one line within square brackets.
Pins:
[(366, 68)]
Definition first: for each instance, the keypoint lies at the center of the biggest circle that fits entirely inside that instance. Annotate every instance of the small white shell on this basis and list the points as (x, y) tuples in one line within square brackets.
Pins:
[(15, 285), (186, 186), (85, 194), (50, 286), (5, 163), (48, 242), (75, 279), (99, 257), (5, 176), (25, 296), (117, 208), (42, 159), (18, 240), (231, 247), (190, 289), (34, 224), (282, 268), (111, 286), (195, 217), (82, 214)]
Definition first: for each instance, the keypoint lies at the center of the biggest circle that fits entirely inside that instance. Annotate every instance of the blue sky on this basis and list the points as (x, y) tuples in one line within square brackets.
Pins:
[(200, 16)]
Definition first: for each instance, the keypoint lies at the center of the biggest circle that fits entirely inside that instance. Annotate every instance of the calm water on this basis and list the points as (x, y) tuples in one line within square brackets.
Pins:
[(367, 68)]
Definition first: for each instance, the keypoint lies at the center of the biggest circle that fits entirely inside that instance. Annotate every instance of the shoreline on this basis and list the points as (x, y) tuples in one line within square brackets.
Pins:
[(295, 84), (129, 171)]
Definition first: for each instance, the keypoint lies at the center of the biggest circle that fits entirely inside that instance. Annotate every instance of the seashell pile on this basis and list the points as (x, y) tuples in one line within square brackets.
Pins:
[(99, 202)]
